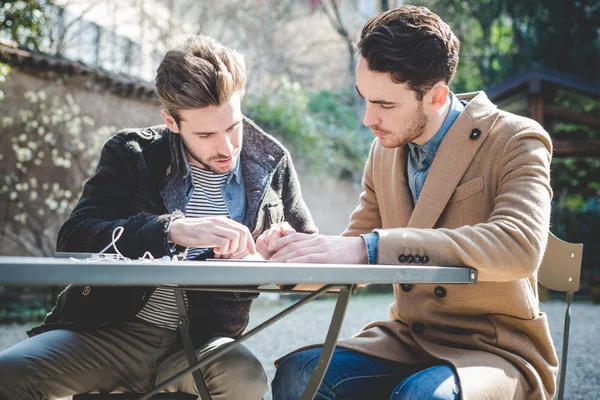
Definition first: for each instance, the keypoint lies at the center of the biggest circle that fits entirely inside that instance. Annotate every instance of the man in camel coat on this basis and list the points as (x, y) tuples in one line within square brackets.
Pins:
[(450, 180)]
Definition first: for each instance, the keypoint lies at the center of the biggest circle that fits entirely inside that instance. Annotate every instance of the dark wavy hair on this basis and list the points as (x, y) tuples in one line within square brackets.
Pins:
[(411, 43)]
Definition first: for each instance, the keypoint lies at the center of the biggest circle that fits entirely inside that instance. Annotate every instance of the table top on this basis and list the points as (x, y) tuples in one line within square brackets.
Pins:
[(42, 271)]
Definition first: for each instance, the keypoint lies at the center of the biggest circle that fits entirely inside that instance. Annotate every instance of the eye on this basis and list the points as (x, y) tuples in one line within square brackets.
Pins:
[(203, 135), (386, 107)]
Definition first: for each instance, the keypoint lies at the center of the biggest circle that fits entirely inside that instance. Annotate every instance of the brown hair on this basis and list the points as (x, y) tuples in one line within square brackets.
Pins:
[(198, 74), (411, 43)]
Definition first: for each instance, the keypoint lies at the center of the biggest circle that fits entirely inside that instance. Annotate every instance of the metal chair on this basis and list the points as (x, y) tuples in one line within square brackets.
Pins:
[(561, 271)]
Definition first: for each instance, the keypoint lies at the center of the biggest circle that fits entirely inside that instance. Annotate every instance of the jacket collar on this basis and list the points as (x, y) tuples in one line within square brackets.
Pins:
[(456, 150)]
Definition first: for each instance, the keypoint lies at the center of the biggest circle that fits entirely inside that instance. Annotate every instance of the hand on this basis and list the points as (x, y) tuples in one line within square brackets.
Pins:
[(222, 234), (270, 236), (304, 248)]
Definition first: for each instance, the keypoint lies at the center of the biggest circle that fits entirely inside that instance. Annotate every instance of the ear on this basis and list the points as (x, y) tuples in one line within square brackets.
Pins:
[(437, 96), (169, 120)]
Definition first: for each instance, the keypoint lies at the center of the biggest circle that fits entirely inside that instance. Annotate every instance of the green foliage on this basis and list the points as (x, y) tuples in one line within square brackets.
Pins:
[(23, 21), (321, 128), (501, 37)]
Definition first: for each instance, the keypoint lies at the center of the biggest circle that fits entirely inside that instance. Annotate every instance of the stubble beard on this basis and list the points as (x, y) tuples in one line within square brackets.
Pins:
[(414, 131), (206, 163)]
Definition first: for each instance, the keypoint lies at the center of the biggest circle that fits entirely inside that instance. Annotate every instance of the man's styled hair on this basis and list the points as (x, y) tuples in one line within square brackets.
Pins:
[(411, 43), (199, 74)]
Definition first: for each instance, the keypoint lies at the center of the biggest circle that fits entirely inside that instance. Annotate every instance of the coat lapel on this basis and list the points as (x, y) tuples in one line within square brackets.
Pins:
[(401, 188), (454, 156)]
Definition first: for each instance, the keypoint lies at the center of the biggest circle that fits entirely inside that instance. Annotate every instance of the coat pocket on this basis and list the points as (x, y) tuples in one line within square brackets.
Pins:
[(467, 190)]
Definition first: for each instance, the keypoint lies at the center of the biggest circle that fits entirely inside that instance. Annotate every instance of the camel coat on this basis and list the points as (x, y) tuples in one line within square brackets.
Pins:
[(485, 204)]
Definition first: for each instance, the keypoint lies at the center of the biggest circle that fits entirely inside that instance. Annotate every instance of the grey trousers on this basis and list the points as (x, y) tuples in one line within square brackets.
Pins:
[(132, 358)]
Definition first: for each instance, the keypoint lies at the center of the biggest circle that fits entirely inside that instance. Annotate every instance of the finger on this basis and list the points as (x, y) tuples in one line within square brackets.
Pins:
[(231, 233), (305, 247), (286, 228), (238, 256), (220, 244), (284, 241), (305, 254), (275, 236), (268, 235)]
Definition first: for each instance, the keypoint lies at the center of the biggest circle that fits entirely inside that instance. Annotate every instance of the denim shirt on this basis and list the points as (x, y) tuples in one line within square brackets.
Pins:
[(419, 161), (233, 190)]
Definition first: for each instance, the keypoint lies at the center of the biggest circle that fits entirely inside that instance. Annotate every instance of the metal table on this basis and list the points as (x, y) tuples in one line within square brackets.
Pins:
[(221, 275)]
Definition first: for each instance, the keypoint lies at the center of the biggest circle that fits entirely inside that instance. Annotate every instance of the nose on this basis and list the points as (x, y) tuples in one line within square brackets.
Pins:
[(224, 145), (370, 118)]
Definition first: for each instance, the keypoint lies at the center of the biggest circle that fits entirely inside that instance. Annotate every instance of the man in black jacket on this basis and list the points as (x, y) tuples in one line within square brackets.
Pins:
[(188, 188)]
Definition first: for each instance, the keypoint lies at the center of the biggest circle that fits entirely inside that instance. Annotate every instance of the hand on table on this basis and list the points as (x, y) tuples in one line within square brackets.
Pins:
[(270, 236), (305, 248), (221, 233)]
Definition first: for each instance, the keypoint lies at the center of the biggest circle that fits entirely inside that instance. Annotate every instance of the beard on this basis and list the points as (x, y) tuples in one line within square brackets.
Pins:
[(411, 133), (206, 163)]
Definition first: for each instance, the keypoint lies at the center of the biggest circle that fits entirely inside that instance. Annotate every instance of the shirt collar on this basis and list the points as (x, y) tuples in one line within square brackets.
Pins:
[(237, 171), (432, 146)]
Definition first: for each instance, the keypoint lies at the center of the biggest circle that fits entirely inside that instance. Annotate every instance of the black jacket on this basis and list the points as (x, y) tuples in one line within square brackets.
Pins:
[(139, 184)]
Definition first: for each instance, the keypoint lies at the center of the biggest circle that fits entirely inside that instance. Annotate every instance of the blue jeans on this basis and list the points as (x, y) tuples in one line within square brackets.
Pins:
[(357, 376)]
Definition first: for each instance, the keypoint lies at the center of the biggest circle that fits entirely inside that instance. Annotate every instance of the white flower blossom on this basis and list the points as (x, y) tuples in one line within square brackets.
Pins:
[(51, 203), (31, 96), (33, 181), (42, 95), (24, 154), (33, 196), (13, 196), (7, 122), (22, 218)]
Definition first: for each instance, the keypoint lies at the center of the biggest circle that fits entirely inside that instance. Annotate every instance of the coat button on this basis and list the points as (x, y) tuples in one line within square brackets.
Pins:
[(410, 258), (418, 328), (169, 170), (424, 260), (417, 259), (406, 287), (440, 291), (475, 133), (86, 290), (402, 258), (237, 295)]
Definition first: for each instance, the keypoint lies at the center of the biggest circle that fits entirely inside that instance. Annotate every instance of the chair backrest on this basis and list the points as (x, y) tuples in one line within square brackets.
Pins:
[(561, 266), (561, 271)]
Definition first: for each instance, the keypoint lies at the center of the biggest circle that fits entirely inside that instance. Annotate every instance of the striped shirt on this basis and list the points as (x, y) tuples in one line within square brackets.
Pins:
[(206, 201)]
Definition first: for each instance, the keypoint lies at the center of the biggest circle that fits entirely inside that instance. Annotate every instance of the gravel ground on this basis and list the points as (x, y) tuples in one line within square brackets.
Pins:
[(583, 374)]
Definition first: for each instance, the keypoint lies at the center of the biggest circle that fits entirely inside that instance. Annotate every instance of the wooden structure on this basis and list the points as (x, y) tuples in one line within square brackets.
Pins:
[(540, 93)]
